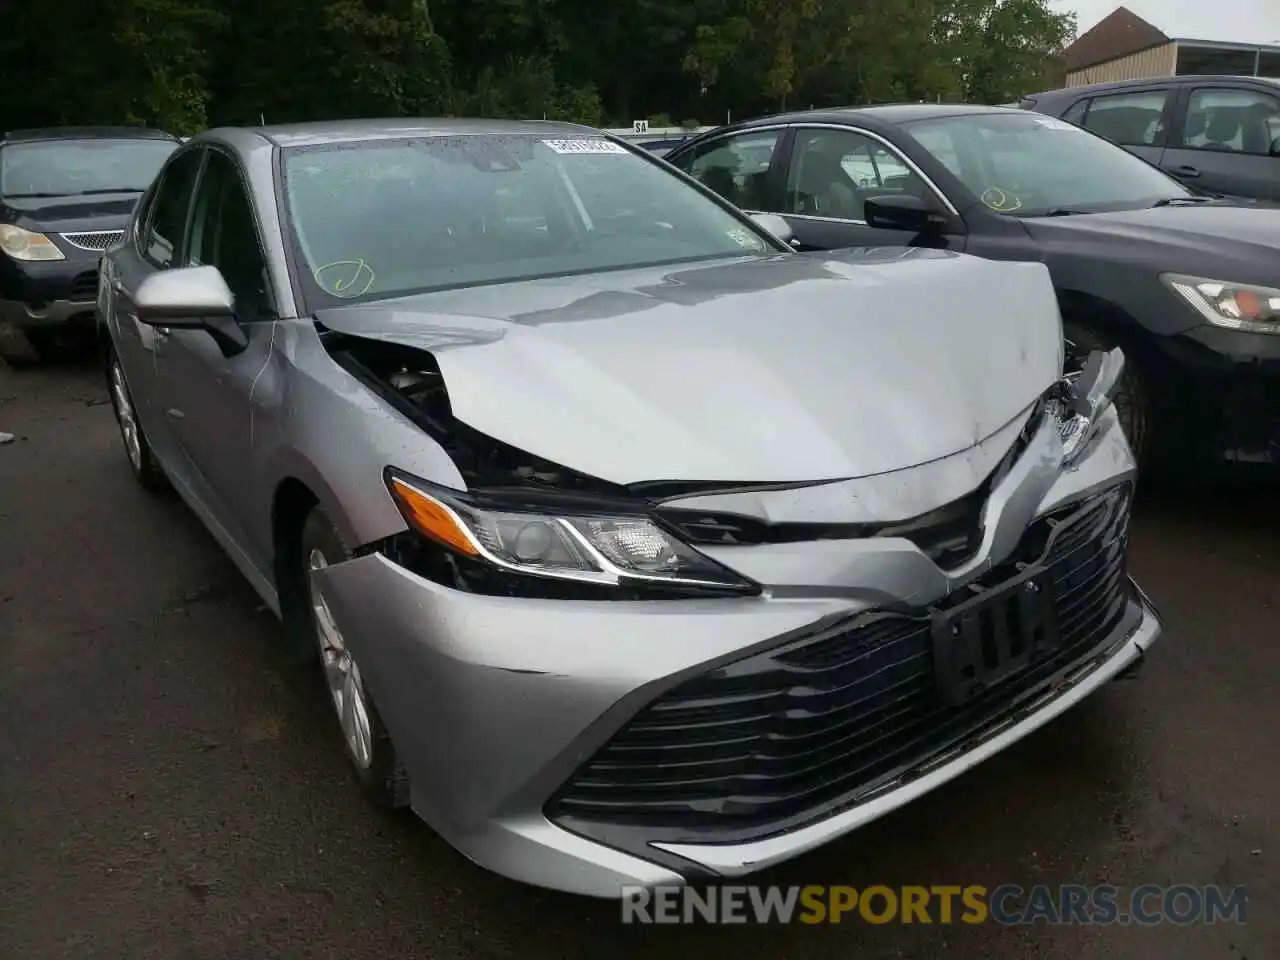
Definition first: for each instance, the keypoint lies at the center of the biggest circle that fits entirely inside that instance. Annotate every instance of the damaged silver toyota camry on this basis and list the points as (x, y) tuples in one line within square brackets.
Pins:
[(634, 547)]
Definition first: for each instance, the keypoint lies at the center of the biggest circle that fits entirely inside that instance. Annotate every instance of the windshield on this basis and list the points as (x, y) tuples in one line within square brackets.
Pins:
[(390, 217), (61, 168), (1029, 165)]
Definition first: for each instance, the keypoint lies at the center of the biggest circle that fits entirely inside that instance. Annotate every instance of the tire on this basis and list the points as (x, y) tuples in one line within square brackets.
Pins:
[(365, 738), (146, 469), (21, 349), (1132, 399)]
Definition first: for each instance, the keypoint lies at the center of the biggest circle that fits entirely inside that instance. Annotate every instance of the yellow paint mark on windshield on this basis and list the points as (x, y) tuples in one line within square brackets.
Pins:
[(345, 278)]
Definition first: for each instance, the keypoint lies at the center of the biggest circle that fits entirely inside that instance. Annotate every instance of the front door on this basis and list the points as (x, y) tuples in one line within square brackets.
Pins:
[(211, 395), (830, 174), (155, 246), (1225, 141)]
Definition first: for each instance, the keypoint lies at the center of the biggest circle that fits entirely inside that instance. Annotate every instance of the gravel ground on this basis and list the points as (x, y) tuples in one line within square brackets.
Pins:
[(172, 788)]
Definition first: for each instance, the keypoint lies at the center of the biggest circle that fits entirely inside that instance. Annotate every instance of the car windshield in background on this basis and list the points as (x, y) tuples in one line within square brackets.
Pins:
[(63, 168), (384, 218), (1030, 165)]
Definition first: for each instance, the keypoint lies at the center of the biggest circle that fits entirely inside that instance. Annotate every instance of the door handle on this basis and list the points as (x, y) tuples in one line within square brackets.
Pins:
[(1185, 170)]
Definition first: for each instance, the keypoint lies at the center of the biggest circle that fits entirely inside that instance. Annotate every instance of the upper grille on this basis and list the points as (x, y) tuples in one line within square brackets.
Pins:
[(782, 737), (97, 240)]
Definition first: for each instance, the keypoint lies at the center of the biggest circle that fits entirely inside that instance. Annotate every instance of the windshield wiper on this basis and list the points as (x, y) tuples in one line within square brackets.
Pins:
[(32, 196), (1174, 201), (1062, 212)]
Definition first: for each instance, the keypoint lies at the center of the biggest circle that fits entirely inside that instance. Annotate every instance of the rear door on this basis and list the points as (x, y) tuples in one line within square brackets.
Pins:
[(1136, 119), (742, 167), (1223, 142)]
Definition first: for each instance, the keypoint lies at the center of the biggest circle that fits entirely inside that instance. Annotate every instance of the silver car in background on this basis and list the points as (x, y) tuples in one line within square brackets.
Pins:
[(634, 547)]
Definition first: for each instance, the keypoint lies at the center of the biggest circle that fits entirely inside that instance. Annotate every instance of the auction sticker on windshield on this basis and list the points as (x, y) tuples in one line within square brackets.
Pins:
[(583, 145)]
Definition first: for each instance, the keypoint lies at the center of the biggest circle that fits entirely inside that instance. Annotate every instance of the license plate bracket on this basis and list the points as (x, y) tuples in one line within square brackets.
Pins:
[(993, 635)]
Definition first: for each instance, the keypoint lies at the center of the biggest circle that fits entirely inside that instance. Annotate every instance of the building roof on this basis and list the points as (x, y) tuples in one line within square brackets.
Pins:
[(1116, 35)]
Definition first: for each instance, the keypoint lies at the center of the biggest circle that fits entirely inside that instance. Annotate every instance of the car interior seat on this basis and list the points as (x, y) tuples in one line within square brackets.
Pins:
[(823, 189), (1223, 129)]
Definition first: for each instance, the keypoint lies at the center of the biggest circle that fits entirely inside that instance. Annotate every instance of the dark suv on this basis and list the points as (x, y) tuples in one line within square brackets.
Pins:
[(1216, 134), (65, 194)]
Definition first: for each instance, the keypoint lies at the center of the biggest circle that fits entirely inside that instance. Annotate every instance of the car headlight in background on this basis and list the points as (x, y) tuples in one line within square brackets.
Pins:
[(23, 244), (1235, 306), (609, 549)]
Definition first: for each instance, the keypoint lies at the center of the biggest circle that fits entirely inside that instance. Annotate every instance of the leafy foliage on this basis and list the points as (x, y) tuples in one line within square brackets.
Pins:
[(186, 64)]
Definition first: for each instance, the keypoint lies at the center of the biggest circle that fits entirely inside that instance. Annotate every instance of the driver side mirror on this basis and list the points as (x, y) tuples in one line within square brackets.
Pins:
[(191, 298), (902, 211), (775, 225)]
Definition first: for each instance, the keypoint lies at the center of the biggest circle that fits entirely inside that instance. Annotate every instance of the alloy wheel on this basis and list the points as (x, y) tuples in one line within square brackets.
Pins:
[(341, 673), (125, 416)]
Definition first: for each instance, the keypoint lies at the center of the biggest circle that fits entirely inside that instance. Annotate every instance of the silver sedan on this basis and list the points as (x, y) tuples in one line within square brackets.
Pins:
[(634, 547)]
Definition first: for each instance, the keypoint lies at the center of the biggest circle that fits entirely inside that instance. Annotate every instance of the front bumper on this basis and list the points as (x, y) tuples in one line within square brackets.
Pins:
[(1240, 427), (498, 706), (45, 296)]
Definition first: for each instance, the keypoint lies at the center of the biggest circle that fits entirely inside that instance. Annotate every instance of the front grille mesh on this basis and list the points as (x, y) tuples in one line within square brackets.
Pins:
[(98, 240), (780, 737)]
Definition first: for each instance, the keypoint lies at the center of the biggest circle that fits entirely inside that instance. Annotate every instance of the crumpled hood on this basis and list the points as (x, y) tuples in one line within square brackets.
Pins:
[(786, 368)]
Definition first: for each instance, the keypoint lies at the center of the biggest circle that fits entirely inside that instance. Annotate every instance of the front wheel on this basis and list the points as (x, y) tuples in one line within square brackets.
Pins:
[(368, 744), (1132, 402), (146, 469)]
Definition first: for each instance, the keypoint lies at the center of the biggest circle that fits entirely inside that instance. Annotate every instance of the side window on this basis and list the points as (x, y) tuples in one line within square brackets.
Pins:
[(737, 167), (161, 237), (1235, 121), (833, 172), (1130, 119), (1075, 112), (224, 235)]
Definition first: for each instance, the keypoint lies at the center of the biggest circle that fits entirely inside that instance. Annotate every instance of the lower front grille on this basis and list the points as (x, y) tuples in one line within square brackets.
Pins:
[(85, 286), (780, 738)]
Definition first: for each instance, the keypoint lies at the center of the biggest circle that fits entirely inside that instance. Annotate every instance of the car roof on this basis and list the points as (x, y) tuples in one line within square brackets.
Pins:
[(880, 114), (87, 133), (1150, 81), (348, 131)]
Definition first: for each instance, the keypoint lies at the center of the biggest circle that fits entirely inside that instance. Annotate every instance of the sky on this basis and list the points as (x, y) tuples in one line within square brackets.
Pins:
[(1232, 21)]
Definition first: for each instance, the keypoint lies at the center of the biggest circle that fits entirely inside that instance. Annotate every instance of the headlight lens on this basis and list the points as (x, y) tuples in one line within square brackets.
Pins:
[(1235, 306), (565, 544), (27, 245)]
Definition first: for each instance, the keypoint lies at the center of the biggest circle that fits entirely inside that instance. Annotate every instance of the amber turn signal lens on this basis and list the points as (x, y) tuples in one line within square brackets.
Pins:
[(431, 518)]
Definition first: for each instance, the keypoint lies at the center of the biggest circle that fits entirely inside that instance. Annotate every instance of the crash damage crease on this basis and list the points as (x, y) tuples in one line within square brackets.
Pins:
[(499, 821), (409, 379)]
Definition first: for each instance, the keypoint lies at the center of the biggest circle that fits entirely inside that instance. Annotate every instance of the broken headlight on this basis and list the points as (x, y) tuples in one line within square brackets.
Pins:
[(1078, 401), (589, 546), (1235, 306)]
